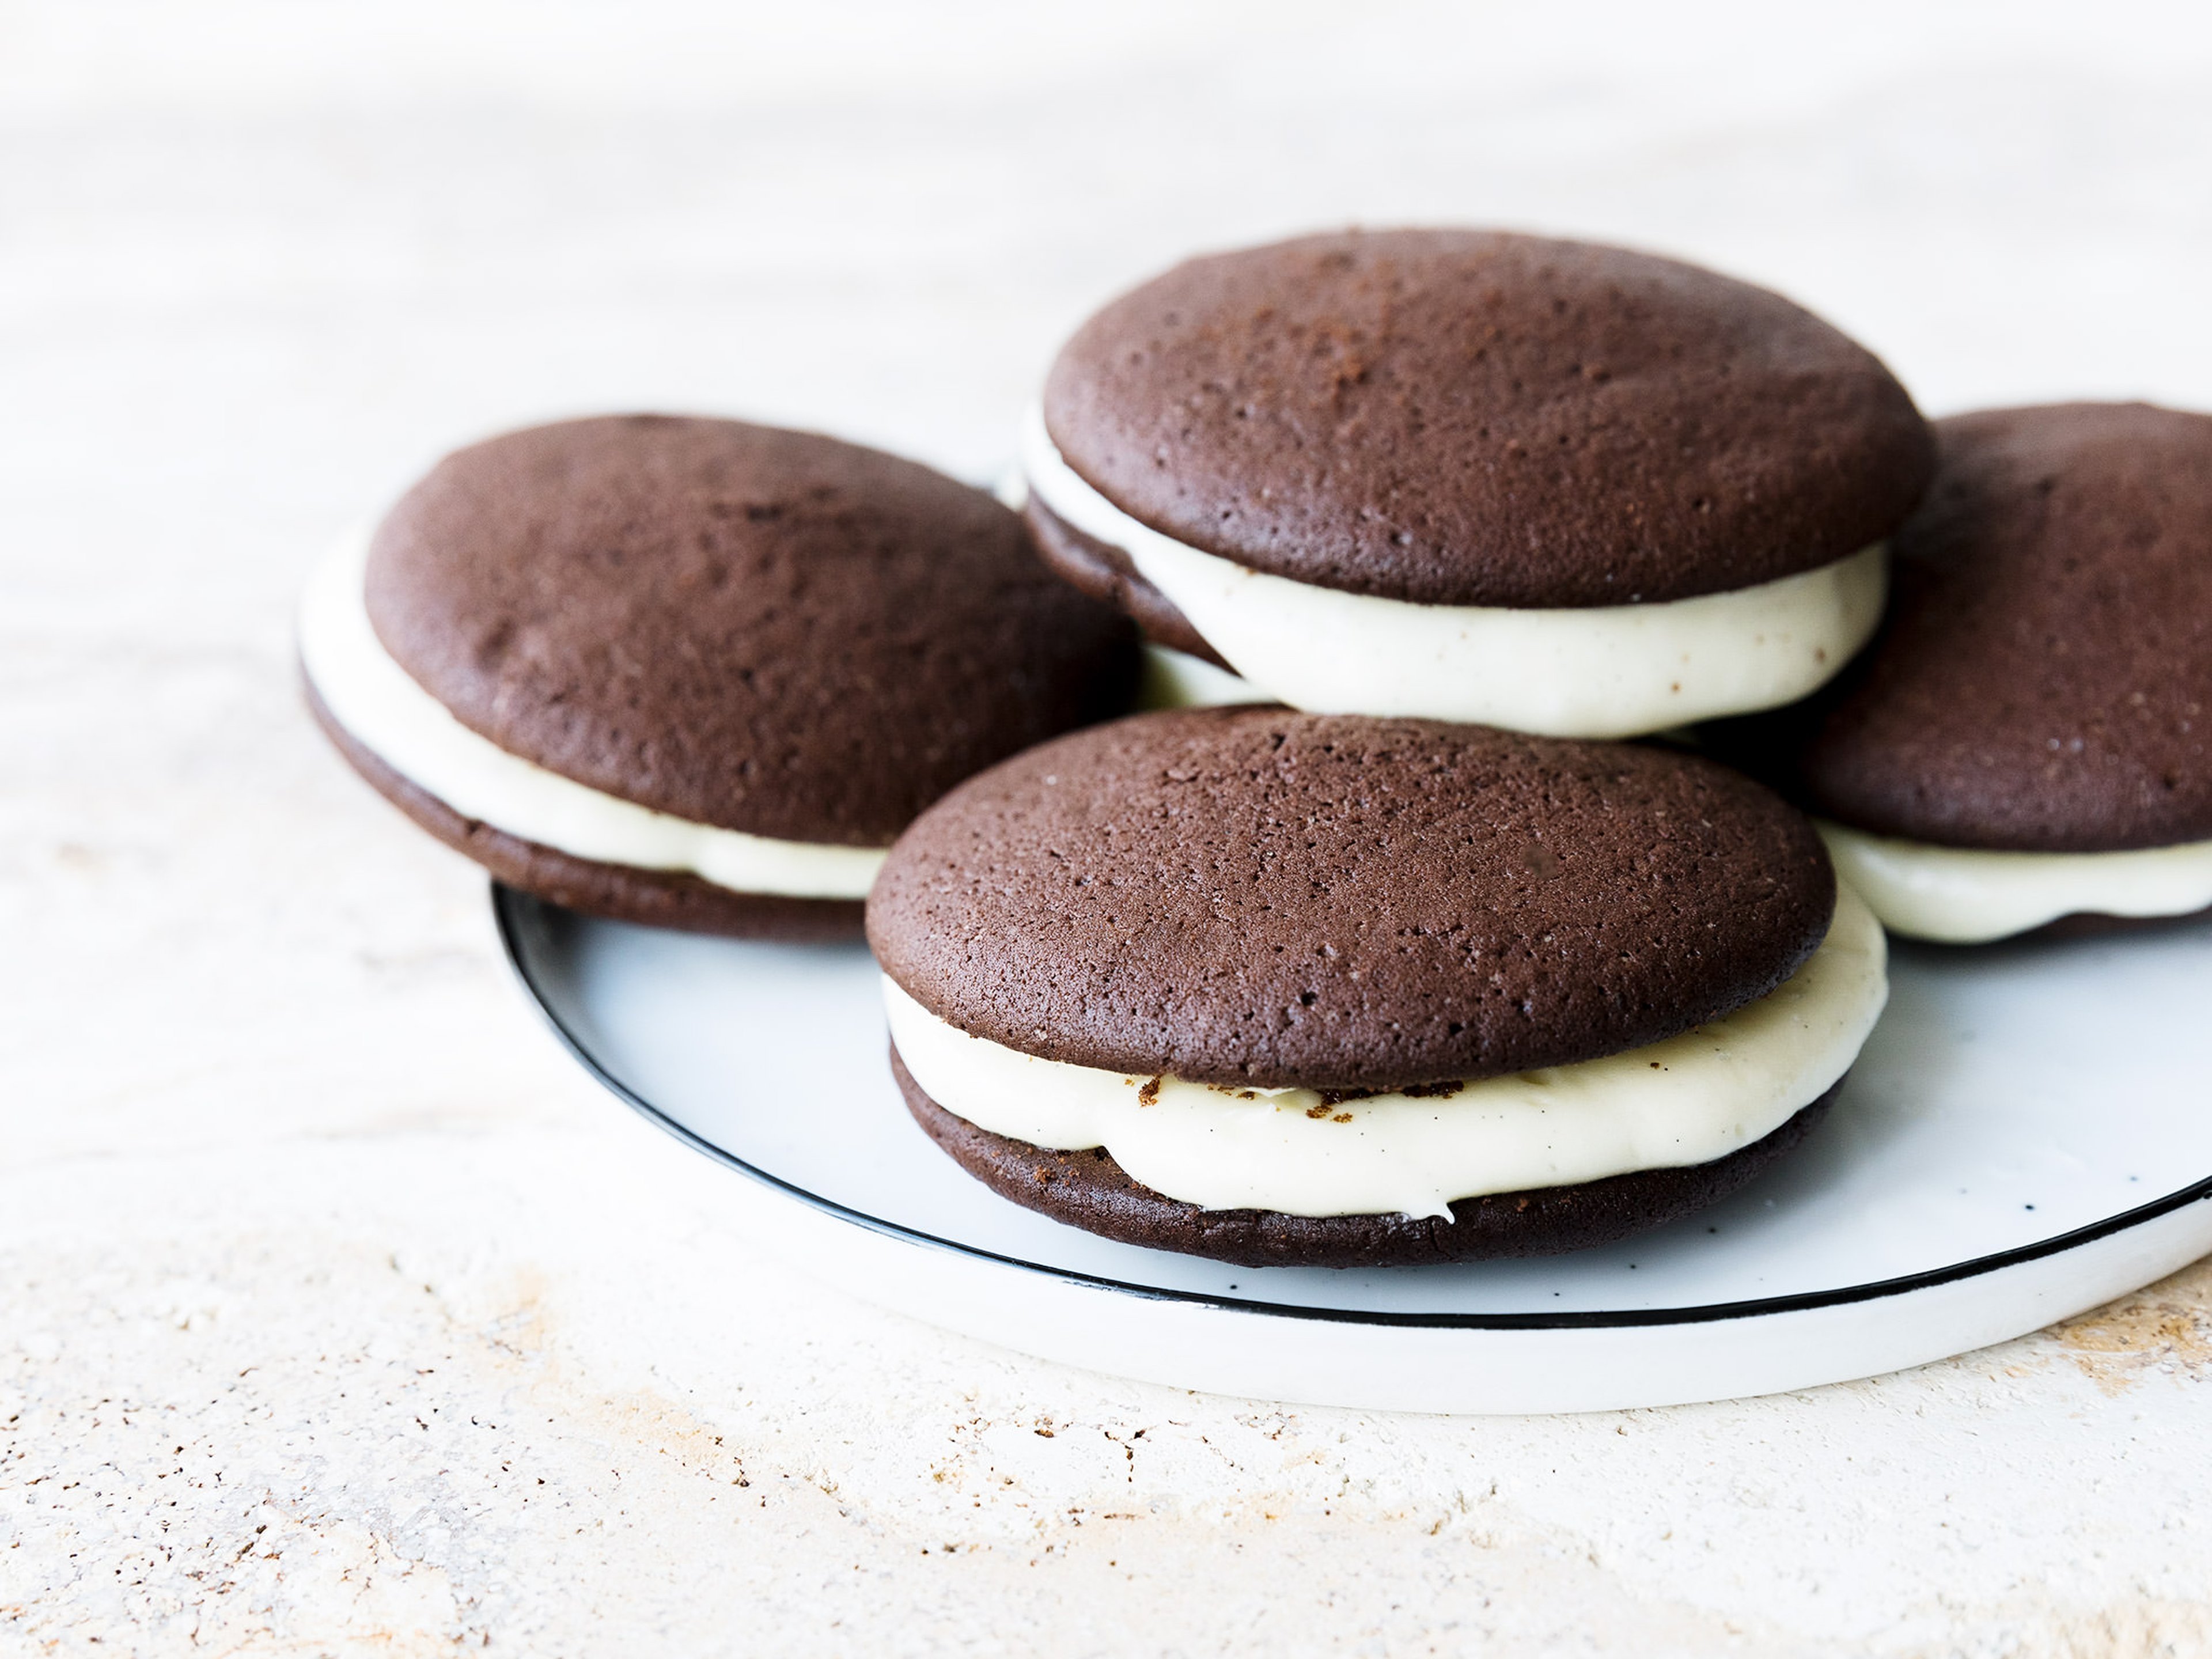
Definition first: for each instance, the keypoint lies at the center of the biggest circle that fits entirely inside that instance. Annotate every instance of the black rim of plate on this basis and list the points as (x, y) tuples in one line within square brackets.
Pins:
[(509, 904)]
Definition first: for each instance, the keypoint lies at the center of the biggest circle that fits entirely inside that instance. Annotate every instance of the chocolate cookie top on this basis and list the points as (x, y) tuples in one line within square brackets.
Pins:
[(2044, 682), (1255, 896), (763, 630), (1474, 417)]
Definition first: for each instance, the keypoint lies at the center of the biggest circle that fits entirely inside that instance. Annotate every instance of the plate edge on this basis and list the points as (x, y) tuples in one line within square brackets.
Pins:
[(507, 902)]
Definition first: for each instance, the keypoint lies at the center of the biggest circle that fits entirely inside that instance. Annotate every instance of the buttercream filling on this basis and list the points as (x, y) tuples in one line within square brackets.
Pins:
[(1168, 678), (1603, 672), (1687, 1100), (1176, 679), (382, 705), (1970, 895)]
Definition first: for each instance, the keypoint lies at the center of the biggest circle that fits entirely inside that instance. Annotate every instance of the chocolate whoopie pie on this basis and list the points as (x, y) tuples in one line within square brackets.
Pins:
[(2030, 738), (1478, 476), (694, 672), (1283, 987)]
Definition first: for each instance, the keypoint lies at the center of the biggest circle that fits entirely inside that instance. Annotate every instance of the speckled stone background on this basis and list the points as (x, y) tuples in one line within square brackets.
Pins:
[(340, 1315)]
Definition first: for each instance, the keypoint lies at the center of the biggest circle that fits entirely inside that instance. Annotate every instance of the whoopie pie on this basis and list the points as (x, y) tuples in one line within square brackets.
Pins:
[(1278, 987), (2028, 742), (693, 672), (1476, 476)]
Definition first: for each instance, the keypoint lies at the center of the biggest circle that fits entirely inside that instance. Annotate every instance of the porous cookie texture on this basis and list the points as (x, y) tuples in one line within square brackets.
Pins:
[(757, 629), (1267, 898), (2043, 681), (656, 898), (1088, 1189), (1479, 418)]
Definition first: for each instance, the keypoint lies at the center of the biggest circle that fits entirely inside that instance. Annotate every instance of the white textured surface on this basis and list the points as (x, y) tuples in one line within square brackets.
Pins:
[(339, 1315)]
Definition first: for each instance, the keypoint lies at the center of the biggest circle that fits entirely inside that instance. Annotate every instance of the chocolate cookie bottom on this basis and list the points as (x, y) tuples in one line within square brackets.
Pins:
[(657, 898), (2092, 924), (1106, 572), (1088, 1189)]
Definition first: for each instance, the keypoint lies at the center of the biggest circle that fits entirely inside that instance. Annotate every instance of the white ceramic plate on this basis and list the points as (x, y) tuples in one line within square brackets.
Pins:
[(2028, 1134)]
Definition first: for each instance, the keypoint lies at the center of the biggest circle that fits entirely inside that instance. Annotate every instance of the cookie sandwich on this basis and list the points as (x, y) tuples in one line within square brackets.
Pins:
[(1278, 987), (2029, 741), (1474, 476), (693, 672)]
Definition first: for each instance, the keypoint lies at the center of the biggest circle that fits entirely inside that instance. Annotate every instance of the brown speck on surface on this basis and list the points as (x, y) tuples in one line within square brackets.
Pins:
[(1150, 1094), (1341, 1117), (2167, 1329)]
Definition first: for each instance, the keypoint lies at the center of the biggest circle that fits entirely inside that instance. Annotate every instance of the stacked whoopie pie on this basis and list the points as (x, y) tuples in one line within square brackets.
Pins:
[(1417, 968), (693, 672), (1479, 476)]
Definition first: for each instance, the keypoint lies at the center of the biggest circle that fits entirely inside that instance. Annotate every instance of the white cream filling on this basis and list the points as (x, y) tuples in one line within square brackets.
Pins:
[(1970, 896), (376, 700), (1168, 679), (1176, 679), (1690, 1099), (1605, 671)]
